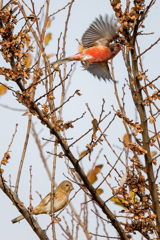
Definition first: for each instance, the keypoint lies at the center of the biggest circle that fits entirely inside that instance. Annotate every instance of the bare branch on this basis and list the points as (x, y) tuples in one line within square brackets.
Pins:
[(148, 49), (23, 154), (32, 222)]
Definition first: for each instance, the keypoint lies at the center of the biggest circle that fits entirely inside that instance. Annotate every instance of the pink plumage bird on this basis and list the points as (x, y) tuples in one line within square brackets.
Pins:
[(97, 48)]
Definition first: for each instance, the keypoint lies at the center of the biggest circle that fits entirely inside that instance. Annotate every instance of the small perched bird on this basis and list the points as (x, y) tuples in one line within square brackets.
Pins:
[(97, 48), (61, 195)]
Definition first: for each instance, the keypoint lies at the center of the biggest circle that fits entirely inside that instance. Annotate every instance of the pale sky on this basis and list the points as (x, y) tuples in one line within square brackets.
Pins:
[(82, 14)]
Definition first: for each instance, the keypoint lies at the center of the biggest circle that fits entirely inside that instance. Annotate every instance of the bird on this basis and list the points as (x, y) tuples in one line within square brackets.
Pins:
[(97, 48), (61, 195)]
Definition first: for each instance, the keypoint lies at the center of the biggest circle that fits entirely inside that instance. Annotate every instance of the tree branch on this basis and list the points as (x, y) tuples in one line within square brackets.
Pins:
[(14, 198)]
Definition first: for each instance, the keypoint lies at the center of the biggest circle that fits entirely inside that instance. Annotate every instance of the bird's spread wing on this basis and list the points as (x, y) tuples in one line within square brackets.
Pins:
[(100, 32), (100, 70)]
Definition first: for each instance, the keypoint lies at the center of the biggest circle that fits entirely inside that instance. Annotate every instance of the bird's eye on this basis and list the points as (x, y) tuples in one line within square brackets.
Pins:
[(67, 184)]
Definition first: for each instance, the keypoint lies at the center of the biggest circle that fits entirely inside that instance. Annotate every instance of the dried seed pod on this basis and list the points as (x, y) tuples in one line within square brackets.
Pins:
[(139, 77)]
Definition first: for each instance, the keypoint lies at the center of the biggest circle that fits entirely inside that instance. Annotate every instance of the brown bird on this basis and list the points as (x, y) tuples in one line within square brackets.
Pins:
[(97, 48), (61, 195)]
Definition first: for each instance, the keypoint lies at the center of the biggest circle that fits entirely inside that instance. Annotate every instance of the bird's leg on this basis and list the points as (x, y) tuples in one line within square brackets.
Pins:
[(85, 64)]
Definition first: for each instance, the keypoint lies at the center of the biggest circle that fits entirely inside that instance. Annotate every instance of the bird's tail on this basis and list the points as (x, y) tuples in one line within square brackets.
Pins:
[(60, 62), (17, 219)]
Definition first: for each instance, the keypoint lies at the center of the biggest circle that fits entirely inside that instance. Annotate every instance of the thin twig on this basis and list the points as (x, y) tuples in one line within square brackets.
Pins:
[(23, 154), (16, 201), (14, 109), (40, 150), (148, 49)]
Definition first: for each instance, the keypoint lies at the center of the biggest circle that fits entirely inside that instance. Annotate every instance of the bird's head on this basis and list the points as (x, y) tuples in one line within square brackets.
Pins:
[(66, 186), (115, 48)]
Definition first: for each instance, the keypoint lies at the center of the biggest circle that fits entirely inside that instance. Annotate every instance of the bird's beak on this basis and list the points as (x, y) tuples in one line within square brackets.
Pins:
[(71, 188)]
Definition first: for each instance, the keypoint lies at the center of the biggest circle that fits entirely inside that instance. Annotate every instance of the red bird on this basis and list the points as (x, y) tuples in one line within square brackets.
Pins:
[(97, 48)]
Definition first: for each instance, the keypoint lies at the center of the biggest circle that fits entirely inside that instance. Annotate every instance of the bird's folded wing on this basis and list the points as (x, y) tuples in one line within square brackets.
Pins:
[(101, 70), (46, 200), (41, 206), (100, 32)]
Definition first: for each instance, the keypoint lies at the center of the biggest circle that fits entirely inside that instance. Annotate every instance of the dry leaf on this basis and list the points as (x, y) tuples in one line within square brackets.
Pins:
[(3, 90), (95, 125), (99, 191), (48, 22), (153, 153), (134, 200), (28, 60), (91, 177), (50, 55), (98, 168), (118, 202), (131, 194), (126, 139), (48, 37), (28, 41), (93, 172), (82, 154), (123, 180)]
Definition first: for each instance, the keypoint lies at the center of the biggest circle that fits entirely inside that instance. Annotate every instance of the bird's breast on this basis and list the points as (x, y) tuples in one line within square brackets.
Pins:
[(97, 54), (93, 55), (60, 201)]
